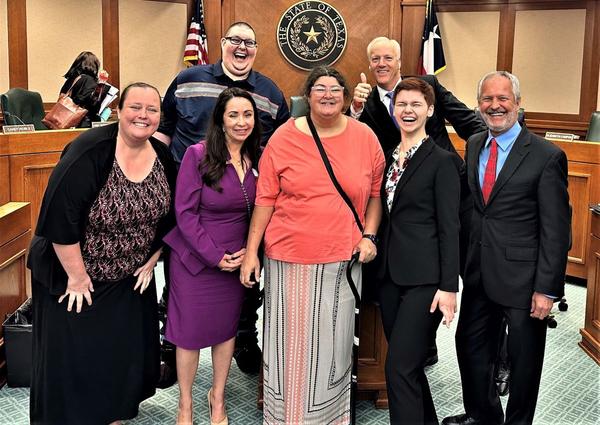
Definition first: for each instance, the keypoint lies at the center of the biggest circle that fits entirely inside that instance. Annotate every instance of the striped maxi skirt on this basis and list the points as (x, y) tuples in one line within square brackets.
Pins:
[(308, 335)]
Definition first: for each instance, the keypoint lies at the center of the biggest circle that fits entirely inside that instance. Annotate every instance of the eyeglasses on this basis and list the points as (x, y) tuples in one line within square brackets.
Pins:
[(321, 90), (236, 41)]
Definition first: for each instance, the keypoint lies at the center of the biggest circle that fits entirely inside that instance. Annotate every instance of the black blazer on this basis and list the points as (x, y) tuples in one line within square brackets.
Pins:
[(419, 236), (519, 241), (447, 107)]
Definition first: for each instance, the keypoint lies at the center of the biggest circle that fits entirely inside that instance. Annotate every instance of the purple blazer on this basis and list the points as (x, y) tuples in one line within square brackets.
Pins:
[(209, 222)]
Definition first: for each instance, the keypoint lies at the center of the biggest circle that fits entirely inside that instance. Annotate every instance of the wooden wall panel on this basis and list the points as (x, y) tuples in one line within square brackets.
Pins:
[(580, 181), (17, 43), (354, 59), (110, 40), (29, 178), (4, 180), (590, 333)]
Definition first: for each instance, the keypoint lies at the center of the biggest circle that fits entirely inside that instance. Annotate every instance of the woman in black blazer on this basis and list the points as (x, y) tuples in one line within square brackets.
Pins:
[(419, 252)]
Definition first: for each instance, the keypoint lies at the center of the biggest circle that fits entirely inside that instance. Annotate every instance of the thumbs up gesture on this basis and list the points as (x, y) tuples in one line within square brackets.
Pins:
[(361, 93)]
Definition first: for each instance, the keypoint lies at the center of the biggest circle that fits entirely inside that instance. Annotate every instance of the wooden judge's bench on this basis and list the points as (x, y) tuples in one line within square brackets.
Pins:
[(27, 159)]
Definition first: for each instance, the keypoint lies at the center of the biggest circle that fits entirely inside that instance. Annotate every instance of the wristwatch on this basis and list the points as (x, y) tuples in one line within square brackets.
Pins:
[(371, 237)]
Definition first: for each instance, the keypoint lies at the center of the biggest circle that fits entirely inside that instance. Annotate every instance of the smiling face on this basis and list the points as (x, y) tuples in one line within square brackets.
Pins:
[(411, 111), (384, 63), (498, 106), (238, 120), (140, 114), (326, 98), (238, 60)]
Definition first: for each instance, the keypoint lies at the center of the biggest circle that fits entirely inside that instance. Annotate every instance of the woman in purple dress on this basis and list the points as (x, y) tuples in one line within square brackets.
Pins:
[(214, 199)]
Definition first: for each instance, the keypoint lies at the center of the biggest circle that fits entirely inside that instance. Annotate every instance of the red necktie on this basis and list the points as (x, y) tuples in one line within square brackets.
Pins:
[(489, 178)]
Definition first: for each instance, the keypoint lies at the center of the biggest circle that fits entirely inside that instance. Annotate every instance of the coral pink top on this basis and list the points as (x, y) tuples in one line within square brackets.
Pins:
[(311, 223)]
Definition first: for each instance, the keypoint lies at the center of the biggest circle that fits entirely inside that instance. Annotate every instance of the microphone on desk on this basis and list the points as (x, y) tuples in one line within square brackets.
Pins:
[(8, 114)]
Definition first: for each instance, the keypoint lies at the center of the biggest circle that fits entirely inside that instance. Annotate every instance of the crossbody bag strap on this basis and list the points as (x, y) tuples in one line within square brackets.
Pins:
[(334, 180), (68, 93)]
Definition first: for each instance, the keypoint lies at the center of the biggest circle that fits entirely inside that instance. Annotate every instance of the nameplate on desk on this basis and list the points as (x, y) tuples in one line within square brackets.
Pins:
[(101, 123), (17, 128), (552, 135)]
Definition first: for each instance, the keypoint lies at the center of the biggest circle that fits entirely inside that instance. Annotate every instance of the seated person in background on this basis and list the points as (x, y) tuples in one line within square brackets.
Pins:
[(86, 67)]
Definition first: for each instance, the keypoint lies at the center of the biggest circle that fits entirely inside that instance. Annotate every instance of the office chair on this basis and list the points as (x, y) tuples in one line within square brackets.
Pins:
[(298, 106), (20, 106), (593, 133)]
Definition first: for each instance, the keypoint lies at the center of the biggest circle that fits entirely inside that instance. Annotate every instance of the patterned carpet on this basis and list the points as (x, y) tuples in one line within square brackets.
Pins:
[(570, 389)]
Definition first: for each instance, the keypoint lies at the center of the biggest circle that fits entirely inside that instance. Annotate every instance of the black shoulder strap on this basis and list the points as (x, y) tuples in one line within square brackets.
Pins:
[(345, 197)]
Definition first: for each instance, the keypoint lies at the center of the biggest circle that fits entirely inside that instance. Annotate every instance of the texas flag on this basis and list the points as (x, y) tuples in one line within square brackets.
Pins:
[(432, 59)]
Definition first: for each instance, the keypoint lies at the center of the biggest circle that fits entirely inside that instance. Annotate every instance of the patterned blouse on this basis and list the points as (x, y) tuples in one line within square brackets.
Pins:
[(396, 170), (122, 223)]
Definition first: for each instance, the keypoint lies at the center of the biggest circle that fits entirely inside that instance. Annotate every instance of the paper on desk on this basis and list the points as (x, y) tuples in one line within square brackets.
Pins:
[(110, 96)]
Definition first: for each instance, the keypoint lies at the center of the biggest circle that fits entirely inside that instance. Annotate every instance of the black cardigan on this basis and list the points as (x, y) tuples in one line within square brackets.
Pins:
[(73, 187)]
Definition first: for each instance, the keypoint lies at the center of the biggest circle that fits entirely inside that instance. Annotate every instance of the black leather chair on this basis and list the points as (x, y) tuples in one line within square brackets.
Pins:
[(593, 133), (298, 106), (20, 106)]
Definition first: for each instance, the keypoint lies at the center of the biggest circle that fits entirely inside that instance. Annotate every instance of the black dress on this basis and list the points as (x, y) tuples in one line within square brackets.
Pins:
[(96, 367)]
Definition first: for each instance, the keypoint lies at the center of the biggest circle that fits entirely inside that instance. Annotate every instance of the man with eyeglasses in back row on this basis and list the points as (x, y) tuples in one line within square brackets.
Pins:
[(187, 108)]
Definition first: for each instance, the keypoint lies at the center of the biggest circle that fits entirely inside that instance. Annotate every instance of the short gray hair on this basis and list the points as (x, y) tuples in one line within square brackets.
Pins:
[(384, 40), (514, 82)]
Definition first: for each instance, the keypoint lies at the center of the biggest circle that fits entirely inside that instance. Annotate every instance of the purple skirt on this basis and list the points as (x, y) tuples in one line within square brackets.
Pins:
[(203, 309)]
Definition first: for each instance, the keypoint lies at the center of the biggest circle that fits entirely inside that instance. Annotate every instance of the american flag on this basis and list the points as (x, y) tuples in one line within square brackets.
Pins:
[(196, 47)]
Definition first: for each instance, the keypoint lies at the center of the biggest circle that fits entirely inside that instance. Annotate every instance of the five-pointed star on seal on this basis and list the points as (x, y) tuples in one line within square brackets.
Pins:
[(312, 35)]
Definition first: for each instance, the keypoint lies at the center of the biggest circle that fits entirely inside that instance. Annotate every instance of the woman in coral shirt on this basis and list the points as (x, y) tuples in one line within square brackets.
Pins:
[(310, 234)]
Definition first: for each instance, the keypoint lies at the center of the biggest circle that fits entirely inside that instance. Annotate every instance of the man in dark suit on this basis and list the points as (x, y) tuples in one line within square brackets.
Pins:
[(517, 255), (372, 106)]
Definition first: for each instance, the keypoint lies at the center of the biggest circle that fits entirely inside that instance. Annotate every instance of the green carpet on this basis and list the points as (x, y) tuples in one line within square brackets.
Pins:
[(569, 394)]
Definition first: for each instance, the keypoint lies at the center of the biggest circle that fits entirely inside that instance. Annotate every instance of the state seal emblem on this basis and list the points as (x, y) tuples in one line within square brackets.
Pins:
[(311, 33)]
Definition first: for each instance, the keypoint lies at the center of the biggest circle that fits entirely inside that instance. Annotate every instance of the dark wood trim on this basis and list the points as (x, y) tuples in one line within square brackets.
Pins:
[(110, 40), (213, 22), (396, 16), (591, 62), (506, 38), (18, 75)]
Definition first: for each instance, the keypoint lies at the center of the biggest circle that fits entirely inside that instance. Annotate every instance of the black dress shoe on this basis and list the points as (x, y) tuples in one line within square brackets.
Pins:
[(432, 356), (431, 360), (168, 375), (462, 419), (502, 380), (248, 358)]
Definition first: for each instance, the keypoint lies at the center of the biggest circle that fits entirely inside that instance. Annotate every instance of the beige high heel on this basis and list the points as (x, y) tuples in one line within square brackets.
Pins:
[(223, 421)]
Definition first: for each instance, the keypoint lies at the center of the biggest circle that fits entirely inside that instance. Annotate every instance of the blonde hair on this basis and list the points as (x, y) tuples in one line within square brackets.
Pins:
[(383, 40)]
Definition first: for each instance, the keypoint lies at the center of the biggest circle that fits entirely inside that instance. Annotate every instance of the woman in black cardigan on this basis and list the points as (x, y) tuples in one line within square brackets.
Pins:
[(419, 252), (98, 237)]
